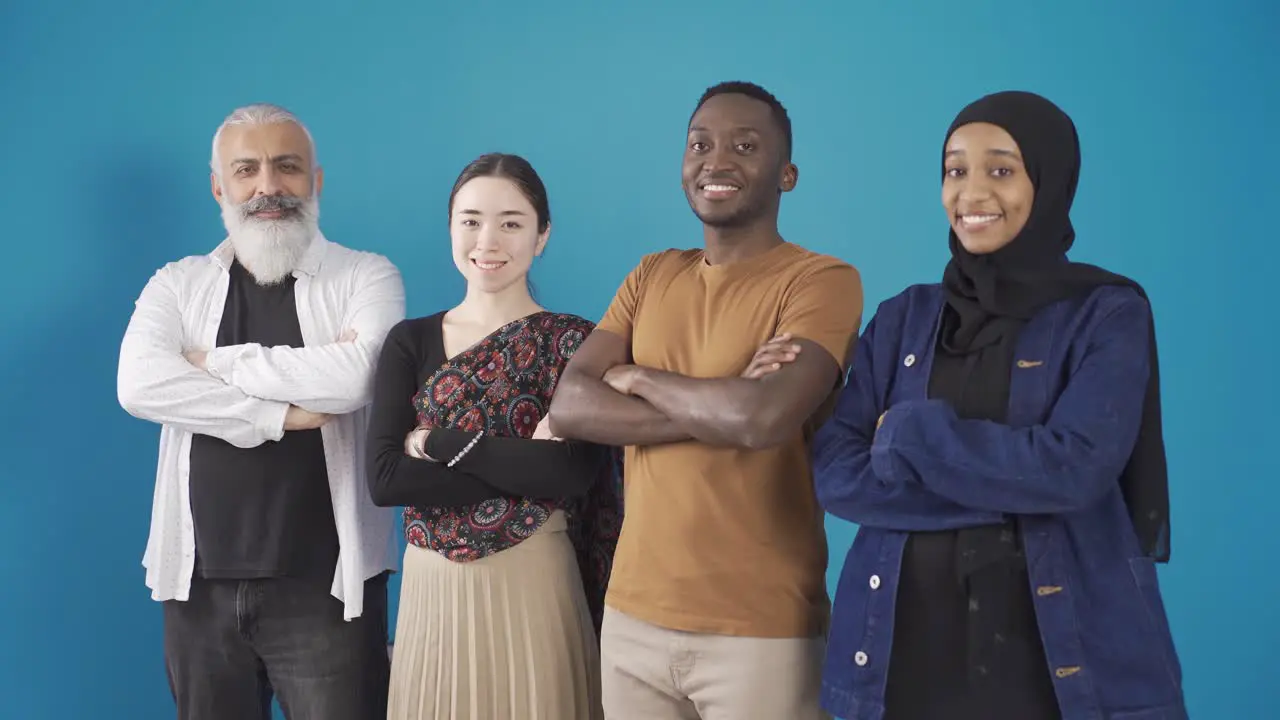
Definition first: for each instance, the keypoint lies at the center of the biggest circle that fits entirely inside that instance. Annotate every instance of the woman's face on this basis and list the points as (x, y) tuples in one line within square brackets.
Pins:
[(986, 190), (495, 235)]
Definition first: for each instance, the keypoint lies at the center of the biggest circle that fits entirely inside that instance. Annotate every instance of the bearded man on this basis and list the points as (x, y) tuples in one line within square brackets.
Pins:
[(256, 360)]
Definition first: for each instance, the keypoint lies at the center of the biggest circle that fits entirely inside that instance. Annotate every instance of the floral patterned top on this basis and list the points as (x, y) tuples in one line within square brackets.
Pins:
[(499, 389)]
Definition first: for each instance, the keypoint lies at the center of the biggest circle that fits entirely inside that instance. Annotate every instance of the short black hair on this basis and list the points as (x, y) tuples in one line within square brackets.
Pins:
[(754, 91)]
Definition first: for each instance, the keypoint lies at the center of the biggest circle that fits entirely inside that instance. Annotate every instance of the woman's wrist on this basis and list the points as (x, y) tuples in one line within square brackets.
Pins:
[(418, 443)]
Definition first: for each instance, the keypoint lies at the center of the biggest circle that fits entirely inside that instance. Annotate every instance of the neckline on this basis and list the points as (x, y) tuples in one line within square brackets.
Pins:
[(740, 266), (444, 351)]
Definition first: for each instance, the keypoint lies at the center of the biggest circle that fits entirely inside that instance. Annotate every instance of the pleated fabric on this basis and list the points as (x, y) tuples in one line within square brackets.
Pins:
[(506, 637)]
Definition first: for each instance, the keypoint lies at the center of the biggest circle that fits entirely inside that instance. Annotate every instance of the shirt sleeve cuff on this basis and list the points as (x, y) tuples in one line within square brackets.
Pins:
[(217, 362), (443, 444), (272, 420), (885, 461)]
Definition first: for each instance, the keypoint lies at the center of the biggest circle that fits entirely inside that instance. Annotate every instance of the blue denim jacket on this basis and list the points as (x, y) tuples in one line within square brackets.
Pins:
[(1074, 408)]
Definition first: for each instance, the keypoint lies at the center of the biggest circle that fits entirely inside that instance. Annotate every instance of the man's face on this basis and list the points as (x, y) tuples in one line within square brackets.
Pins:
[(268, 189), (264, 160), (735, 162)]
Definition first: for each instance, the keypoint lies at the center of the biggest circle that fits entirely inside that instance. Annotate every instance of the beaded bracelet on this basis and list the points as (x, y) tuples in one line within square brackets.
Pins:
[(465, 450)]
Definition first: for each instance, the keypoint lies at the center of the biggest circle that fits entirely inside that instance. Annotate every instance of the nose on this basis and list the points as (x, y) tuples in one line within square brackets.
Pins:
[(487, 238), (975, 187), (718, 158), (269, 182)]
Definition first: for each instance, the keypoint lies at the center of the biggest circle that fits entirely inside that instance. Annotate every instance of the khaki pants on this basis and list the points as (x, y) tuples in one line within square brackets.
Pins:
[(651, 673)]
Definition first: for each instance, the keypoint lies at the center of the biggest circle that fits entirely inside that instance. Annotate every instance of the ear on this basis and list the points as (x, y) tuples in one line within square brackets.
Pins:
[(318, 183), (216, 187), (790, 176), (542, 241)]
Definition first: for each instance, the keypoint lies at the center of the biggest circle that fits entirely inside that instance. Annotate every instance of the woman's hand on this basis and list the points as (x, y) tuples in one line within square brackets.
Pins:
[(771, 356), (415, 443)]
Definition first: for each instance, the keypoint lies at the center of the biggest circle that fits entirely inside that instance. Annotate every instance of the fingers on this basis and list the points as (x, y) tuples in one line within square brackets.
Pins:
[(348, 336), (771, 356)]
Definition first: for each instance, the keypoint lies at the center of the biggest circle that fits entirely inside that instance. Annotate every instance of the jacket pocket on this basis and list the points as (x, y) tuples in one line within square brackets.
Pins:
[(1148, 586)]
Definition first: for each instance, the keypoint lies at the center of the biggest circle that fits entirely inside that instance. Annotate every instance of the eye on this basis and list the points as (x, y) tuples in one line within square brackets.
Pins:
[(954, 172), (289, 167), (243, 171), (745, 147), (468, 223), (511, 225), (698, 146), (1002, 172)]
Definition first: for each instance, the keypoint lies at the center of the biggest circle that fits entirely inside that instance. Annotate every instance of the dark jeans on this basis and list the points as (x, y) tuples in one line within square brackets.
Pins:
[(234, 643)]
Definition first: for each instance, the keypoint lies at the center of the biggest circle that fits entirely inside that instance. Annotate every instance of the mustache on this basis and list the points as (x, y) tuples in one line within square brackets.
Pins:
[(270, 203)]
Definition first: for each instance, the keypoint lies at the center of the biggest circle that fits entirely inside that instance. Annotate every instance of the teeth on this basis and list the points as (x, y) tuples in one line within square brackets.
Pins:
[(978, 219), (488, 265), (720, 188)]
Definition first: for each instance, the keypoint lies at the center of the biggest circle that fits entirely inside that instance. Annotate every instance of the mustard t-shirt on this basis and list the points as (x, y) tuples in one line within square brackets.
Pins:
[(723, 540)]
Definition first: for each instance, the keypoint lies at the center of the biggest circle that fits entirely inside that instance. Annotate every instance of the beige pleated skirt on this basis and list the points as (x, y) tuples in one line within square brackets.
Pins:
[(506, 637)]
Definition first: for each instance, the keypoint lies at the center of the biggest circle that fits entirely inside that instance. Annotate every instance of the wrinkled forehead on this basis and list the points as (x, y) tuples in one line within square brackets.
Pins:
[(259, 143)]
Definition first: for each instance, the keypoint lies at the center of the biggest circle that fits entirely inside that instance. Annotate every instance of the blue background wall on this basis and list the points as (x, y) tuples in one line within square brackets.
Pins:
[(106, 111)]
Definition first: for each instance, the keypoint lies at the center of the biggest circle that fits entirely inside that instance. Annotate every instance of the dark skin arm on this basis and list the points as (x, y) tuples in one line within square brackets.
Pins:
[(741, 411), (586, 408)]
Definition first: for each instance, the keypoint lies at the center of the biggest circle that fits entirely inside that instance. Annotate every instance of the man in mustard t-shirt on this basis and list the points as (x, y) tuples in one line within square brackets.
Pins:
[(717, 606)]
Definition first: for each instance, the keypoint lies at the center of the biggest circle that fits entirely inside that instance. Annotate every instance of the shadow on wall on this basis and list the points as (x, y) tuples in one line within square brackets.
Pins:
[(82, 464)]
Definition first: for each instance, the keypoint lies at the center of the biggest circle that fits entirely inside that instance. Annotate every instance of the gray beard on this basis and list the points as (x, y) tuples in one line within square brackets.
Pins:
[(271, 249)]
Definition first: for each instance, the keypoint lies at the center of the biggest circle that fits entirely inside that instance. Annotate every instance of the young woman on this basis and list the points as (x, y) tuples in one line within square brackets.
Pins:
[(511, 532), (999, 445)]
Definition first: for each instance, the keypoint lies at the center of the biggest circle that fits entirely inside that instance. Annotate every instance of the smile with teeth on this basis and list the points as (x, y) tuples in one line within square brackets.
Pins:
[(488, 265), (976, 220)]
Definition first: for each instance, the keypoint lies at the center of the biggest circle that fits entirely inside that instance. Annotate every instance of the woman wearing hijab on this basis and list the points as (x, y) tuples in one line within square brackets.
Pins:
[(999, 445)]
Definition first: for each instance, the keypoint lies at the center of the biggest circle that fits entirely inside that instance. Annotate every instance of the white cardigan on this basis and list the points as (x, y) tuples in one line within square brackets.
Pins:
[(244, 395)]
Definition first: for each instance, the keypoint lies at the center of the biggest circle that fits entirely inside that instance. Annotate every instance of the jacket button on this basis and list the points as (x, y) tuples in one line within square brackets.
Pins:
[(909, 360), (874, 582), (860, 658)]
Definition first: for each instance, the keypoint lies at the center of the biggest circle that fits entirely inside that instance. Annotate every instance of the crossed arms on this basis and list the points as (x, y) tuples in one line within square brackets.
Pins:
[(603, 397), (249, 394), (917, 466)]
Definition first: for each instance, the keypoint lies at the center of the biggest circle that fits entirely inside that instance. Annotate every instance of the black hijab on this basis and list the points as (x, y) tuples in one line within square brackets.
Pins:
[(990, 297)]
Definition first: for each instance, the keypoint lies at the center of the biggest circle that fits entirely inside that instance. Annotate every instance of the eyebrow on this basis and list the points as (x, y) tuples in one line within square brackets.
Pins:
[(504, 213), (276, 159)]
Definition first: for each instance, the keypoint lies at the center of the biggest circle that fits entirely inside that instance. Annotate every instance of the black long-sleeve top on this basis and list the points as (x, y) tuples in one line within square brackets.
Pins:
[(495, 467)]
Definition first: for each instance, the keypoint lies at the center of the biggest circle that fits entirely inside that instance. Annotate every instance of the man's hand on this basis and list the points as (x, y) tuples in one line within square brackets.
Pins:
[(771, 357), (347, 336), (543, 431), (621, 378), (298, 419)]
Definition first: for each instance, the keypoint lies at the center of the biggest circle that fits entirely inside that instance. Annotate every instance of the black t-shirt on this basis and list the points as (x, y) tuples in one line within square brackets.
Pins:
[(264, 511)]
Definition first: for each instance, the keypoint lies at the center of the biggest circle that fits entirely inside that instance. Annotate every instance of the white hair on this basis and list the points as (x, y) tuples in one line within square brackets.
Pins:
[(259, 114)]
